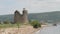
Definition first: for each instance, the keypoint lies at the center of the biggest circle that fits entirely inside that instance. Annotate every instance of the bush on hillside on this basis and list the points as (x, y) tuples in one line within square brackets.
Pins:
[(6, 22), (35, 24)]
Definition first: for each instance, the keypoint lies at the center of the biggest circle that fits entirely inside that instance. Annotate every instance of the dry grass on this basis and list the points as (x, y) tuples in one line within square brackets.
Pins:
[(24, 29)]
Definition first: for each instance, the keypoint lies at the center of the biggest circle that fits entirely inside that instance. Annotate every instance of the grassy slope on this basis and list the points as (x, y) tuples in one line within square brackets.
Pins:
[(8, 25)]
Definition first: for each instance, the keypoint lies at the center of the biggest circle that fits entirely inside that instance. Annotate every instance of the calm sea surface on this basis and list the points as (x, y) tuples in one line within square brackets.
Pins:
[(49, 30)]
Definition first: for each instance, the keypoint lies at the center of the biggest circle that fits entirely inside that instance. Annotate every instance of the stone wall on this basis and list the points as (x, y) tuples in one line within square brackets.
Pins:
[(21, 18)]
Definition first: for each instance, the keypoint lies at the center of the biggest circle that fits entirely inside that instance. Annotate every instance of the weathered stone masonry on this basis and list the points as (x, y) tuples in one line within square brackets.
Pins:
[(21, 18)]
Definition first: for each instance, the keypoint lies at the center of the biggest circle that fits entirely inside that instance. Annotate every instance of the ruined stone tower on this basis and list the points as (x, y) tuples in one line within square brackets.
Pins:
[(21, 18)]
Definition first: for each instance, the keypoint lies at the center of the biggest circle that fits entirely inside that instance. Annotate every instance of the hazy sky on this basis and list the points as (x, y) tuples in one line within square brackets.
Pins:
[(33, 6)]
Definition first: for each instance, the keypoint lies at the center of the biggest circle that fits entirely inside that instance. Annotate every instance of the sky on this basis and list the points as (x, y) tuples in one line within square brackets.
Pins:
[(33, 6)]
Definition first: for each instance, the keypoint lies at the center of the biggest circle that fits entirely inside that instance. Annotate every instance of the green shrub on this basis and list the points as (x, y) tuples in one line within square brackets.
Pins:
[(6, 22), (35, 24)]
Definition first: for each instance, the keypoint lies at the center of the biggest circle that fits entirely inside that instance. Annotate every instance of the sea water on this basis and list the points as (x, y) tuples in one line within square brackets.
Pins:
[(49, 30)]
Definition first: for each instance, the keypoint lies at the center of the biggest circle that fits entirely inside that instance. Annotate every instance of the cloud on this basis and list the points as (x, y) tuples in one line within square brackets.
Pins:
[(33, 6), (43, 6)]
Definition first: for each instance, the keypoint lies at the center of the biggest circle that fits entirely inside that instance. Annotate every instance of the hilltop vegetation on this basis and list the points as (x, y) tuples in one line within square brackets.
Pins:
[(46, 17)]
